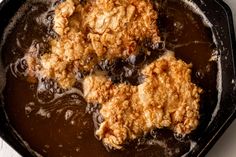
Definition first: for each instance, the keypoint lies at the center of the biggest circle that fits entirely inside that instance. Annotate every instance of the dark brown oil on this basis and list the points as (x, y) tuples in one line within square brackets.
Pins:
[(62, 125)]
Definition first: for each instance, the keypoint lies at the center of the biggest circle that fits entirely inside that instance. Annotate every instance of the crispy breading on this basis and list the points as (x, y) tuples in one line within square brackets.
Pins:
[(121, 110), (94, 31), (166, 98)]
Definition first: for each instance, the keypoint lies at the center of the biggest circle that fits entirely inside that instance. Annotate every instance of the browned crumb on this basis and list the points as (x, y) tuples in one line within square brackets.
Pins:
[(96, 30), (166, 98)]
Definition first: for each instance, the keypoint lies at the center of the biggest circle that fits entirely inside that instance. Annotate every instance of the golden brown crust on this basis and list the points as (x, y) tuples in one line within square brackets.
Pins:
[(99, 29), (168, 90), (166, 98)]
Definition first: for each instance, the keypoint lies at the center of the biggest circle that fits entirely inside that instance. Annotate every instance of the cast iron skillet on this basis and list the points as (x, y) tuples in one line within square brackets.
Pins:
[(219, 14)]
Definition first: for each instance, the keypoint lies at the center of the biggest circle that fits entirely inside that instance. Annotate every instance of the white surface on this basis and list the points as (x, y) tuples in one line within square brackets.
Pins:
[(6, 151), (225, 147)]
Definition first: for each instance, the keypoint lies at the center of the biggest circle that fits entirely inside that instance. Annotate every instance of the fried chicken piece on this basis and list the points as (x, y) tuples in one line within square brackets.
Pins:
[(96, 30), (166, 98), (121, 110)]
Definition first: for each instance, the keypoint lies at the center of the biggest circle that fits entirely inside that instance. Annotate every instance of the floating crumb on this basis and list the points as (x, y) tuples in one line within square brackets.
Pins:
[(166, 98)]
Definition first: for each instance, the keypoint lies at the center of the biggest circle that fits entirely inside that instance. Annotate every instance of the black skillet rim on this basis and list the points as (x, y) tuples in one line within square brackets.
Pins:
[(11, 137), (231, 118)]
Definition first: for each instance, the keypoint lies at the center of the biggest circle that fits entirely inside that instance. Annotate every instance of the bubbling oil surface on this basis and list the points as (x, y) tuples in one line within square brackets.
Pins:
[(55, 122)]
